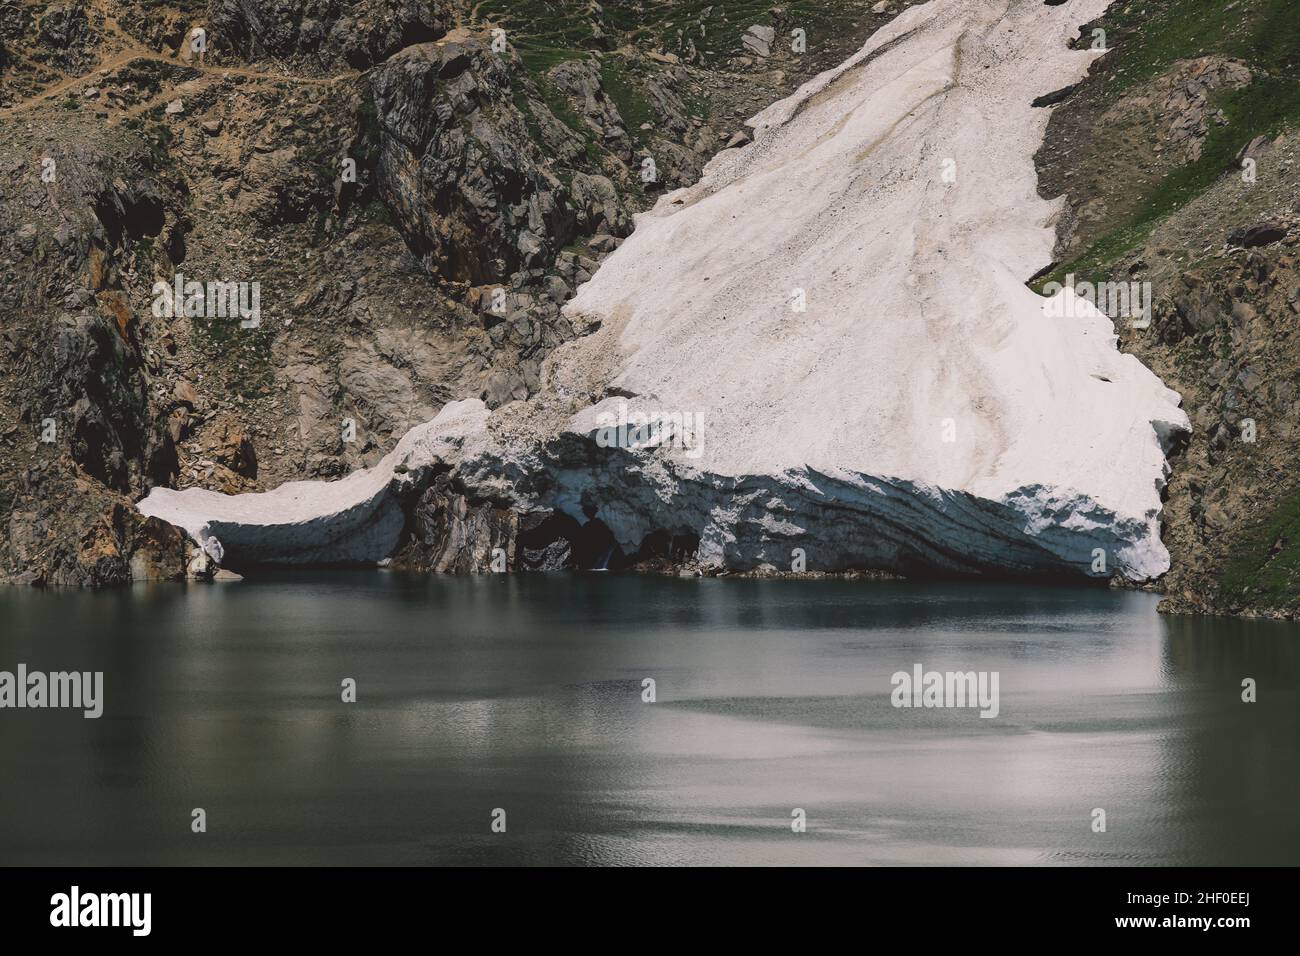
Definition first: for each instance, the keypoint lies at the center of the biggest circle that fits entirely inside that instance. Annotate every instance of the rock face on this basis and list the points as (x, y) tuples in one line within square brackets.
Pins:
[(1189, 100), (457, 167), (359, 34), (825, 345), (1222, 262), (448, 532), (75, 533), (83, 445), (415, 208)]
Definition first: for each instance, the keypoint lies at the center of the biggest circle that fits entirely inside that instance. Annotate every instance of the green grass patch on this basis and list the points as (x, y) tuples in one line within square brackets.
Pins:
[(561, 108), (632, 105), (241, 356), (540, 58), (158, 137), (547, 32), (1266, 107), (1265, 563), (1263, 33), (1147, 37)]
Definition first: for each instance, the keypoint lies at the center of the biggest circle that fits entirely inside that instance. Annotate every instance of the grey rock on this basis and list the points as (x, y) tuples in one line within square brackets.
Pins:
[(599, 206), (1263, 234), (26, 238), (450, 532), (758, 40)]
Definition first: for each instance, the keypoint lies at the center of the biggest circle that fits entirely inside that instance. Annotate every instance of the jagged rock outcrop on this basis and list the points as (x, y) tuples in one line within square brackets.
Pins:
[(580, 80), (65, 33), (448, 532), (1228, 336), (85, 443), (457, 167), (599, 207), (67, 530), (359, 34)]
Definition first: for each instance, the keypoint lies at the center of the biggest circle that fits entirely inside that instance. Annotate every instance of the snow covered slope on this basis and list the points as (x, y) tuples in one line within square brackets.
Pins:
[(838, 314)]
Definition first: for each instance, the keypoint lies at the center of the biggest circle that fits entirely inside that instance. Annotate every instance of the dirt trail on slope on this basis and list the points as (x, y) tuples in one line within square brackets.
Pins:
[(132, 50)]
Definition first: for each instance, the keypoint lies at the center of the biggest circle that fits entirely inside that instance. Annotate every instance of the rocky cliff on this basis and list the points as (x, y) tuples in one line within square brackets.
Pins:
[(493, 172), (415, 189), (1180, 159), (937, 429)]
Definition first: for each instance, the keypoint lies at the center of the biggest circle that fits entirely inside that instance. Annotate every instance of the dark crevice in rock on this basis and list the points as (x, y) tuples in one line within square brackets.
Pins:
[(1057, 96)]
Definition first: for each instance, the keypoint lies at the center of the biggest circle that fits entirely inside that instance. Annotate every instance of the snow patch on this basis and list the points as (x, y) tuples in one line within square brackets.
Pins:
[(843, 303)]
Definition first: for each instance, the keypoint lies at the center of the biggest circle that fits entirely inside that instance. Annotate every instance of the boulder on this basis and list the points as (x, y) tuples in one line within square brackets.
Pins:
[(598, 206), (758, 40), (1263, 234), (226, 441)]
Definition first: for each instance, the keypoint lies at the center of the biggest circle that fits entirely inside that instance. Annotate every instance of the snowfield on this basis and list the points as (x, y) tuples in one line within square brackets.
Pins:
[(841, 309)]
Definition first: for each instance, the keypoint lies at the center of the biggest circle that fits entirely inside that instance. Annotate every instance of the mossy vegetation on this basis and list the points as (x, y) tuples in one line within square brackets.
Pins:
[(548, 32), (243, 355), (158, 137), (617, 81), (707, 33), (561, 108), (1265, 566), (1148, 36)]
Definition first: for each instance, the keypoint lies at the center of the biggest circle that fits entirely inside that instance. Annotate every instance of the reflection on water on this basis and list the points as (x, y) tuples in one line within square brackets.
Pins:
[(525, 693)]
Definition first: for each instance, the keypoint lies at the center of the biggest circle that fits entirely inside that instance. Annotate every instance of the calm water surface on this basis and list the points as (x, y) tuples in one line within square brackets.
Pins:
[(524, 693)]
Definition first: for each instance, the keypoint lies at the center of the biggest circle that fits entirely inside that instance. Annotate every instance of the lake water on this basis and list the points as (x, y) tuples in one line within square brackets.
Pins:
[(524, 693)]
